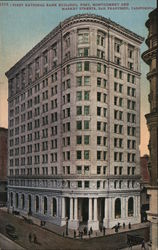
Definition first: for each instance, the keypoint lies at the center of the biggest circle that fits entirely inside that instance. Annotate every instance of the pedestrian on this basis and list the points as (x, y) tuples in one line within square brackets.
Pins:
[(104, 231), (91, 230), (89, 233), (74, 234), (35, 238), (143, 245), (100, 228), (85, 231), (30, 237), (129, 225), (124, 225), (116, 229), (81, 235), (130, 245)]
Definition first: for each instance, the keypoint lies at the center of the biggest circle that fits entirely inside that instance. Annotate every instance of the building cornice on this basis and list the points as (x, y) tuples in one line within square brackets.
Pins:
[(70, 21)]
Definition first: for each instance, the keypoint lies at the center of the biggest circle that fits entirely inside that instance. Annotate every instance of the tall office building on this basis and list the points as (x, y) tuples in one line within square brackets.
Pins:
[(74, 125), (150, 56)]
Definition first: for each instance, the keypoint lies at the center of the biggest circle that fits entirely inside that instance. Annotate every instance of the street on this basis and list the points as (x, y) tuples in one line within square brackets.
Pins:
[(47, 240), (7, 244)]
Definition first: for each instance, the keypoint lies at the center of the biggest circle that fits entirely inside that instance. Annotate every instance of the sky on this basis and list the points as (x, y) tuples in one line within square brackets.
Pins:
[(22, 26)]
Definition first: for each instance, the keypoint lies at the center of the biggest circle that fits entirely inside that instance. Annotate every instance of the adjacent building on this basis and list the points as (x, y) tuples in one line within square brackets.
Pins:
[(3, 165), (150, 56), (145, 180), (74, 125)]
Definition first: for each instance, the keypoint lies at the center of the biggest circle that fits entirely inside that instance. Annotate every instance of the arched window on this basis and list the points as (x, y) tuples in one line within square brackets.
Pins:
[(45, 205), (117, 208), (23, 201), (37, 204), (54, 207), (11, 199), (17, 200), (130, 207)]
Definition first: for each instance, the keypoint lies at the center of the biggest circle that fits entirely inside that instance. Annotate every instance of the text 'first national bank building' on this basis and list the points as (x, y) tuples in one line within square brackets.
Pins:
[(74, 125)]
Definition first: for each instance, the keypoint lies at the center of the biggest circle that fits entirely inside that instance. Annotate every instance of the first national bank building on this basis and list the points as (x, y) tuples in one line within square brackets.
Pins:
[(74, 125)]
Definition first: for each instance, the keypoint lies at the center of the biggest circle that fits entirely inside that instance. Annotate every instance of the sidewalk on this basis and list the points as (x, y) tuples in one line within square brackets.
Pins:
[(138, 247), (62, 230)]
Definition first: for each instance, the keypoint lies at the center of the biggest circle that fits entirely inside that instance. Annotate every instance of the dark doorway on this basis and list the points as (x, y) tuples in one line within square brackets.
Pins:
[(17, 200), (130, 207), (117, 208), (85, 207), (30, 204), (67, 207), (54, 207), (102, 205), (45, 205)]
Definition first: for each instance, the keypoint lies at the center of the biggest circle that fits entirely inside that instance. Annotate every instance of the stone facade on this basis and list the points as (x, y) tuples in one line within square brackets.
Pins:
[(145, 180), (151, 58), (74, 125)]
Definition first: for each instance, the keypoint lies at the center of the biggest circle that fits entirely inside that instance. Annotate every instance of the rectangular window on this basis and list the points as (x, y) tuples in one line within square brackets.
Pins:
[(79, 66), (79, 139), (99, 82), (98, 155), (99, 140), (83, 51), (87, 80), (104, 69), (79, 110), (98, 96), (86, 139), (86, 124), (79, 184), (98, 184), (86, 66), (86, 95), (83, 38), (86, 154), (98, 125), (79, 81), (98, 169), (79, 169), (86, 170), (86, 110), (98, 67), (86, 184), (99, 111), (79, 155), (79, 125), (79, 95)]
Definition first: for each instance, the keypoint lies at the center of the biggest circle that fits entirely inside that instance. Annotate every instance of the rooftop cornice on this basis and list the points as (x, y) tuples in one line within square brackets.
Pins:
[(107, 22), (74, 19)]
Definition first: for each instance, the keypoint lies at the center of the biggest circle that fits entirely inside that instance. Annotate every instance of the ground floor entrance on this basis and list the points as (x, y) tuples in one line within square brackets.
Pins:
[(74, 211)]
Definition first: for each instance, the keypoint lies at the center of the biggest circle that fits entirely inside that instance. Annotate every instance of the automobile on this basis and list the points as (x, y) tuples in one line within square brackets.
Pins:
[(134, 239), (11, 231)]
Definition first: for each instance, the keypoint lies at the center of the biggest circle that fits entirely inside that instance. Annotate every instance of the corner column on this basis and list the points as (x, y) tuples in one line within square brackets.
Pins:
[(94, 223), (73, 221)]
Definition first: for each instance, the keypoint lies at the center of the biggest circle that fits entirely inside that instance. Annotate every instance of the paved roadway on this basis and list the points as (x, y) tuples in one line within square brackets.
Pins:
[(7, 244), (51, 241)]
